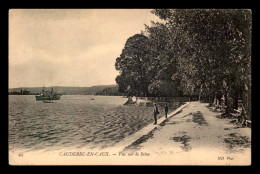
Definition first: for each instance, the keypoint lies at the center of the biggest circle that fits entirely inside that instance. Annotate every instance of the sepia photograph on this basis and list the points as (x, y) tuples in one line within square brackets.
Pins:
[(156, 87)]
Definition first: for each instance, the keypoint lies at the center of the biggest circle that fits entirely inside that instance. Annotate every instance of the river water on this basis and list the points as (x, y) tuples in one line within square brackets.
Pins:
[(73, 121)]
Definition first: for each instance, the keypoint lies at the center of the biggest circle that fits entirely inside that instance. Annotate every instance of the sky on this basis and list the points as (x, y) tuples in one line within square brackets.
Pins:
[(69, 47)]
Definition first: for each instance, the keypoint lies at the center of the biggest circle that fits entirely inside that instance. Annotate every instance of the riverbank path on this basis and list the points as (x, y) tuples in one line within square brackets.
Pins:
[(196, 135)]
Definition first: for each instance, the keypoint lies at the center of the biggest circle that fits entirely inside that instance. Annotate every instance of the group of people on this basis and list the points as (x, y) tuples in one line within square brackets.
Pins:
[(156, 111)]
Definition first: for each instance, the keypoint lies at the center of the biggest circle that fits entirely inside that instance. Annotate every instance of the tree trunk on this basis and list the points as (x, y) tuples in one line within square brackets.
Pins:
[(215, 101), (200, 92), (236, 100), (210, 102), (225, 99), (230, 104)]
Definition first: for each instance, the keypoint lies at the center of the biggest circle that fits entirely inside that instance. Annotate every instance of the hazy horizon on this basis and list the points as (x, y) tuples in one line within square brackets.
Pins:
[(69, 47), (60, 86)]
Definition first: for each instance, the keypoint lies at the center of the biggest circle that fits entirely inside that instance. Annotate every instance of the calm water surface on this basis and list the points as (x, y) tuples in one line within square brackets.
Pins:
[(73, 121)]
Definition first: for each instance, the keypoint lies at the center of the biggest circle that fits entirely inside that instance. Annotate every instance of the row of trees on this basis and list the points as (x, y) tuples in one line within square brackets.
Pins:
[(204, 52), (110, 91)]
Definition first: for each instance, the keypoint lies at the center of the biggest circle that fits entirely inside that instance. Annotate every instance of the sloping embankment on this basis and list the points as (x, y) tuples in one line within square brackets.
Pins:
[(144, 131)]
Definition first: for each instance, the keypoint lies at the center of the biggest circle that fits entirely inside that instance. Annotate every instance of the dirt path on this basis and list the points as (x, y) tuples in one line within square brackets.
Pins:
[(197, 136)]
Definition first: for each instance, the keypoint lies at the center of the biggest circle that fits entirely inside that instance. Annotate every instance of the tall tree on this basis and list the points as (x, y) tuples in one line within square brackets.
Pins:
[(133, 64), (163, 63)]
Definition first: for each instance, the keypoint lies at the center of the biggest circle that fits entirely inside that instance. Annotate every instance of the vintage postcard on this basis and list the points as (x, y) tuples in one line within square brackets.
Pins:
[(129, 87)]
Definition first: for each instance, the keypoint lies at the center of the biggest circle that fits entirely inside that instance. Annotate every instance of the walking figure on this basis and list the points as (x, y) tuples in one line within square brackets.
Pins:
[(155, 112), (166, 110)]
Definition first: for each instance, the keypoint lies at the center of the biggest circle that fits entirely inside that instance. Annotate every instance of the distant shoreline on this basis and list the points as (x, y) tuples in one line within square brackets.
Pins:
[(65, 90), (78, 94)]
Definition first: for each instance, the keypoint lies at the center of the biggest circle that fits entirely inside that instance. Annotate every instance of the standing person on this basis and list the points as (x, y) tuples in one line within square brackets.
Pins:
[(155, 112), (166, 110)]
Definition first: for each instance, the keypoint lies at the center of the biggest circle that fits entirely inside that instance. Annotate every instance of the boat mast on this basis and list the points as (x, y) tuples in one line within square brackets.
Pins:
[(43, 90)]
